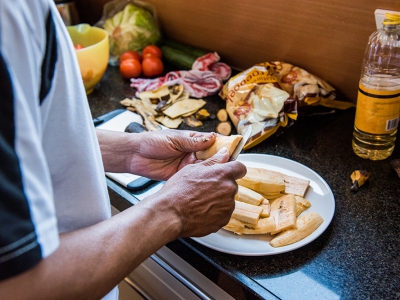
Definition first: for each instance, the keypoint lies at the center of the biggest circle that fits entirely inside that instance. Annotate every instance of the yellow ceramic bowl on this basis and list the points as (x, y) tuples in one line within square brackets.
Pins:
[(93, 57)]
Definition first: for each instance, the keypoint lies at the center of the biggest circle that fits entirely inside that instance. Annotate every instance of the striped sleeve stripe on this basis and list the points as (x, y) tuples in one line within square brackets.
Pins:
[(17, 248)]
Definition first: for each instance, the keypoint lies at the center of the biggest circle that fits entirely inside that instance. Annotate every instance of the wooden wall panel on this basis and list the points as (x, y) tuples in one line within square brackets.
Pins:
[(327, 38)]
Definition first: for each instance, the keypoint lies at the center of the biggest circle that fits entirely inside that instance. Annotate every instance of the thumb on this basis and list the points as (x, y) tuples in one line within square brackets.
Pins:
[(222, 156)]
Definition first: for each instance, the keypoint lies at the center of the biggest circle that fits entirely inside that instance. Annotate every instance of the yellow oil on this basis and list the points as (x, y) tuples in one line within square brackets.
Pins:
[(373, 146), (378, 101)]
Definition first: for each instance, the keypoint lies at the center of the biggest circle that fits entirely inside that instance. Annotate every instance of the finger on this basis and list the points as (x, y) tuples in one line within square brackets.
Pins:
[(240, 169), (236, 169), (222, 156), (192, 141)]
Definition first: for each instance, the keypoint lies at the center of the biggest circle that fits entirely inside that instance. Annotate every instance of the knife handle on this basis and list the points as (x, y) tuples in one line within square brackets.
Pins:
[(140, 183)]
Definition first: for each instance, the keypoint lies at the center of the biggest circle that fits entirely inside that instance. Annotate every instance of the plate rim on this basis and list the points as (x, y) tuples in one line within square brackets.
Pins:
[(284, 249)]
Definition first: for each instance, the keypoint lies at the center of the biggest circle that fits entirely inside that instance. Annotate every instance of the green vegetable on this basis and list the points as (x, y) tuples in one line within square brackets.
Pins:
[(185, 48), (178, 58), (133, 28)]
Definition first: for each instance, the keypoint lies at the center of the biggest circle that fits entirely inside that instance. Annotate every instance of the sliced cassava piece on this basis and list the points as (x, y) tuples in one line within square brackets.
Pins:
[(272, 196), (224, 128), (222, 115), (230, 142), (249, 207), (302, 204), (306, 225), (237, 226), (262, 183), (264, 226), (266, 206), (283, 210), (180, 108), (247, 195), (246, 216), (293, 185)]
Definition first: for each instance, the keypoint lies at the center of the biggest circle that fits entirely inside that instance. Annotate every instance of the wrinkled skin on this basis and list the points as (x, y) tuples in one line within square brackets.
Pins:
[(199, 193), (165, 152), (202, 194)]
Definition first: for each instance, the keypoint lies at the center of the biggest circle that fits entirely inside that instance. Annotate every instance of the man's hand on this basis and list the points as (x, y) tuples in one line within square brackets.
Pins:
[(197, 198), (200, 197), (157, 155), (162, 153)]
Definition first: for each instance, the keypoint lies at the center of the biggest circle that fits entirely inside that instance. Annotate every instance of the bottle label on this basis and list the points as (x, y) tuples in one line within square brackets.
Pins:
[(377, 111)]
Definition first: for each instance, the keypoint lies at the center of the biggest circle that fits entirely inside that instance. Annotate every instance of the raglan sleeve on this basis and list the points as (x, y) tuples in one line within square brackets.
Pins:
[(28, 223)]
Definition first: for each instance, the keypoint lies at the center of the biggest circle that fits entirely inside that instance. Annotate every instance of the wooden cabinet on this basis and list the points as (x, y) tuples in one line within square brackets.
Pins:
[(326, 38)]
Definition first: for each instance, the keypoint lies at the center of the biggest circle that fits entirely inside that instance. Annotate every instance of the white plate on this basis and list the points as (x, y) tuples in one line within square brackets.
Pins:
[(319, 194)]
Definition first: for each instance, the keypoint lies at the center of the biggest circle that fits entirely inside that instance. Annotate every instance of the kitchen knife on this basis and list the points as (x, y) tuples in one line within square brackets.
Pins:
[(108, 116), (245, 132)]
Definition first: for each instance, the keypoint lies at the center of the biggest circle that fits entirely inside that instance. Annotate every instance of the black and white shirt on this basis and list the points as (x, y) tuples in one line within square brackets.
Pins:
[(51, 173)]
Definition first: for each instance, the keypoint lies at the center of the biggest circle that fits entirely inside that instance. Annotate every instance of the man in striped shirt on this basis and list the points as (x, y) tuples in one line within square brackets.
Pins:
[(57, 239)]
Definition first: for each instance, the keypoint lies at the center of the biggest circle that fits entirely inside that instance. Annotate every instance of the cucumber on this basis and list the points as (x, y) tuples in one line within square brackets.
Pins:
[(185, 48), (178, 58)]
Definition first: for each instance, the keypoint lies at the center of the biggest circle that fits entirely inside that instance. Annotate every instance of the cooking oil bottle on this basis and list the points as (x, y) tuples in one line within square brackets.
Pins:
[(378, 102)]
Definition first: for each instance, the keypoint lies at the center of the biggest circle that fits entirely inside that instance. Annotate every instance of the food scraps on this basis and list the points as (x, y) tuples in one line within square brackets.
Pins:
[(358, 178), (169, 106)]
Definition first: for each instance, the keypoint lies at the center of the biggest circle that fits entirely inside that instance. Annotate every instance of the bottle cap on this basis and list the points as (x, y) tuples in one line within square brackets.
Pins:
[(391, 19)]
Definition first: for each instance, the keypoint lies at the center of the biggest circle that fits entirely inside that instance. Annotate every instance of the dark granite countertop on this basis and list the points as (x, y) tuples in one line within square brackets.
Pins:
[(357, 257)]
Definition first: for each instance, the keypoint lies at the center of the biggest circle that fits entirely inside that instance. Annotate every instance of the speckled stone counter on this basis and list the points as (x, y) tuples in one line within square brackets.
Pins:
[(357, 257)]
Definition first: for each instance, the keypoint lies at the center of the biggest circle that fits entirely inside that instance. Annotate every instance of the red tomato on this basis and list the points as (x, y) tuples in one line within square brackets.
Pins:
[(130, 54), (130, 68), (78, 47), (151, 50), (152, 66)]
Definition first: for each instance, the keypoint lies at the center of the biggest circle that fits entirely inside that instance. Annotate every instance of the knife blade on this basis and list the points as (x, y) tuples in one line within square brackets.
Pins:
[(245, 132)]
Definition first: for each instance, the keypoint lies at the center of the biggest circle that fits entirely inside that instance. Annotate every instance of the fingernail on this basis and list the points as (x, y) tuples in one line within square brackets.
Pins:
[(207, 137), (223, 150)]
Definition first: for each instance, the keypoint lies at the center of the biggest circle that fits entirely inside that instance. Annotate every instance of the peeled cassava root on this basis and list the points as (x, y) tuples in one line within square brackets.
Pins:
[(222, 115), (224, 128), (305, 225), (272, 184), (230, 142)]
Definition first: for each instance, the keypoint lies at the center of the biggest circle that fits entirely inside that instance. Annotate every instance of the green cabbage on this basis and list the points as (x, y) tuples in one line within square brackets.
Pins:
[(133, 28)]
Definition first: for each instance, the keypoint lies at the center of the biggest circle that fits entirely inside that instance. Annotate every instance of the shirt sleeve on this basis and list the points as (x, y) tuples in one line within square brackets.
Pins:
[(28, 226)]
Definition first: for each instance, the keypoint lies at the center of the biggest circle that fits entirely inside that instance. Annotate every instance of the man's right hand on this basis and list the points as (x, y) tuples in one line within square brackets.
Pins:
[(200, 197)]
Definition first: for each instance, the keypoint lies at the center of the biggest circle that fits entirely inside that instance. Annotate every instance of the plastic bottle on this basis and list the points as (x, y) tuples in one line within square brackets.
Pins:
[(378, 102)]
